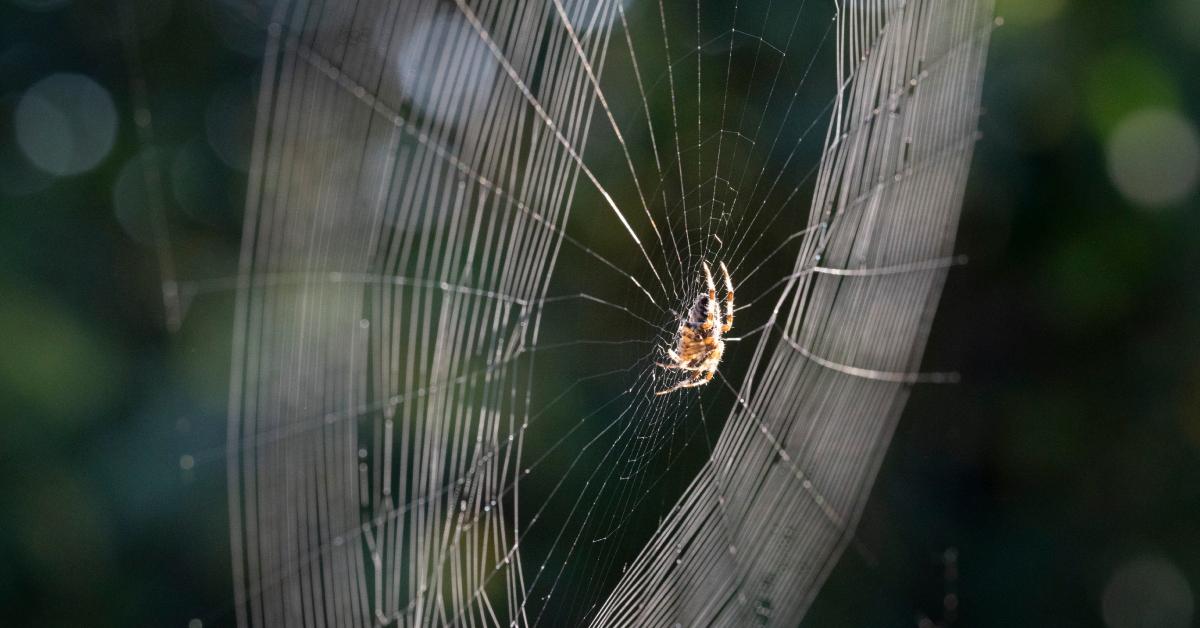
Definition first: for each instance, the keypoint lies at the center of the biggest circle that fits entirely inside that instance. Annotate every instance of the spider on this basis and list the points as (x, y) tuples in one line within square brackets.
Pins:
[(700, 342)]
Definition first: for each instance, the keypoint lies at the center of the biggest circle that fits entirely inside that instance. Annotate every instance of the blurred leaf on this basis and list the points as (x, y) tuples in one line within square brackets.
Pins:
[(53, 361), (1122, 81)]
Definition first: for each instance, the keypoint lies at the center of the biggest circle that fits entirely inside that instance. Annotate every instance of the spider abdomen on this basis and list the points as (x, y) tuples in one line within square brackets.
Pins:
[(698, 315), (698, 345)]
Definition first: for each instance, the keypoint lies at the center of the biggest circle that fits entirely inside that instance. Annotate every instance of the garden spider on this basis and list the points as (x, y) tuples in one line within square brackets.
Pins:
[(700, 342)]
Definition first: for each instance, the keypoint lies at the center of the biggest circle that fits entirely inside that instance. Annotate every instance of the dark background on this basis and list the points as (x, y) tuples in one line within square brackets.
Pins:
[(1063, 473)]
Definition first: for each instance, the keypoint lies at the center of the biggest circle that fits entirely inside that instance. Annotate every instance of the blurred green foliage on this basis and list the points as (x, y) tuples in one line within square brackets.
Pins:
[(1071, 448)]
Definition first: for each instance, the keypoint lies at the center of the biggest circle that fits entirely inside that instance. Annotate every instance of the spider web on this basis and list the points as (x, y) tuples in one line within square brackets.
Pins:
[(472, 229)]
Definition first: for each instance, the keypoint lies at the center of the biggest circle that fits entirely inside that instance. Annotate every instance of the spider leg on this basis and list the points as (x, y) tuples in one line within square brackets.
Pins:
[(713, 310), (699, 379), (670, 390), (728, 324), (708, 281)]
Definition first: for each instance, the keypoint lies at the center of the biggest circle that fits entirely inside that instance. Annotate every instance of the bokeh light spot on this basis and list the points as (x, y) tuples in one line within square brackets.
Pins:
[(17, 175), (449, 97), (1147, 592), (66, 124), (1154, 158)]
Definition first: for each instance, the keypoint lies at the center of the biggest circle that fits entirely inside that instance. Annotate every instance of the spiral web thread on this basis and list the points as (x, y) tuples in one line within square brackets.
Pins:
[(470, 229)]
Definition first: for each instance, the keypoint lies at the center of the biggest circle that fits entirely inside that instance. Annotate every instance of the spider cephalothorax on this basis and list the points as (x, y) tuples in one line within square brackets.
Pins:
[(700, 341)]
